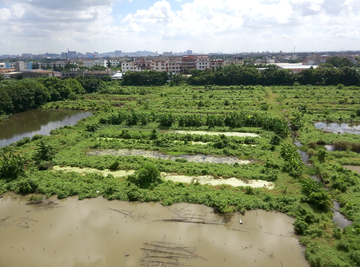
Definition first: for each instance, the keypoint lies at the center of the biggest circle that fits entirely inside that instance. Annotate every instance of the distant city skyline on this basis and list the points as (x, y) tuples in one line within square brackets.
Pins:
[(178, 25)]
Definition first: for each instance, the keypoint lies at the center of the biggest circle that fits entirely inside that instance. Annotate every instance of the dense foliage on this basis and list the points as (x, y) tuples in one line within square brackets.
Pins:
[(21, 95), (148, 119)]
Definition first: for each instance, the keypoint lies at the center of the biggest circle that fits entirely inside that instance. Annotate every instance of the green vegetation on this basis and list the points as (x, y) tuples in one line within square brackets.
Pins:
[(147, 118)]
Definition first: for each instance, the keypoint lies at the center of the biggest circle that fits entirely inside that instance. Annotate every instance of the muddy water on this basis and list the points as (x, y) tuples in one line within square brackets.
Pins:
[(338, 128), (94, 233), (199, 158), (37, 121), (338, 218)]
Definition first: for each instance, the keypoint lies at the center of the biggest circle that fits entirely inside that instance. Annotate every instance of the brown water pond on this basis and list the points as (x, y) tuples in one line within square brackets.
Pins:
[(37, 121), (97, 232)]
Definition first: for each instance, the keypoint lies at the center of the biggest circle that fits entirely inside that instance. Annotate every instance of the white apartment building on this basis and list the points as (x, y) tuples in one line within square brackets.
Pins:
[(175, 66), (160, 65), (129, 66), (202, 62), (113, 63), (92, 63), (23, 66)]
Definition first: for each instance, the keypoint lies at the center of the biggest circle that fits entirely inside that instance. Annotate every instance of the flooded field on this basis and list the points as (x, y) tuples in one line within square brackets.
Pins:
[(338, 128), (208, 179), (218, 133), (338, 218), (199, 158), (37, 121), (97, 232)]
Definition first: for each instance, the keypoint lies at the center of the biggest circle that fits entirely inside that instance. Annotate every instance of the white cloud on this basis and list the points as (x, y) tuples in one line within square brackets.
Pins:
[(202, 25)]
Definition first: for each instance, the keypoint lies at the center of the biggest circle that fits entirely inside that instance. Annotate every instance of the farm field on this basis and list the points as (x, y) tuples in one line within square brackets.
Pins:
[(161, 144)]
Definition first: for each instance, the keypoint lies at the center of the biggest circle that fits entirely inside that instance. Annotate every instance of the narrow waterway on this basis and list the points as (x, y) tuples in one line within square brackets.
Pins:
[(338, 218), (37, 121), (97, 232)]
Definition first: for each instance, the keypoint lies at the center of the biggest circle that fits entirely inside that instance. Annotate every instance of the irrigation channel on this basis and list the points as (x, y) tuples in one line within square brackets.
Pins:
[(98, 232), (37, 121), (338, 218)]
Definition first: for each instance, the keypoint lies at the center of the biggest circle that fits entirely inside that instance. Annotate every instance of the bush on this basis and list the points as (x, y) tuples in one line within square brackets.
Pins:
[(12, 166), (342, 245), (300, 226), (355, 256), (275, 140), (146, 176)]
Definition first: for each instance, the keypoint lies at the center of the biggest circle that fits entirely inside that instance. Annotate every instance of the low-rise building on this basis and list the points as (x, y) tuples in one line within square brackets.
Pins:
[(160, 65), (92, 63), (129, 66), (216, 63), (40, 73), (174, 66), (188, 63), (202, 62)]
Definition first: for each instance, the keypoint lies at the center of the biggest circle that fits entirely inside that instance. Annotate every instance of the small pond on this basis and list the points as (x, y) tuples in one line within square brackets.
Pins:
[(37, 121), (338, 128)]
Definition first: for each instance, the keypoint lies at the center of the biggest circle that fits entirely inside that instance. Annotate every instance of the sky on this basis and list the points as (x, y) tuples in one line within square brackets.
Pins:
[(204, 26)]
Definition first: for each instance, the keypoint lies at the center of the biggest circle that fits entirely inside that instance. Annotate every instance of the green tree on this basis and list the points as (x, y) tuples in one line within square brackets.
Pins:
[(11, 166), (339, 61), (108, 63), (5, 101), (147, 176)]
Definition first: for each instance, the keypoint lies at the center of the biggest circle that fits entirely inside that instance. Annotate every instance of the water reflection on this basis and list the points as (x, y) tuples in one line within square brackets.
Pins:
[(38, 121), (338, 128)]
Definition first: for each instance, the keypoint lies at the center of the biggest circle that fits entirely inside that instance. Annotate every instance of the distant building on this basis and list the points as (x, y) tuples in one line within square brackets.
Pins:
[(202, 62), (189, 52), (23, 66), (40, 73), (168, 54), (129, 66), (160, 65), (97, 74), (117, 76), (238, 61), (71, 54), (92, 63), (295, 67), (174, 66), (216, 63), (118, 53), (188, 63)]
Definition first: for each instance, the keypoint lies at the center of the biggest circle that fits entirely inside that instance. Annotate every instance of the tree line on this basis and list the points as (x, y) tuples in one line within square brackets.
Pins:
[(239, 75), (21, 95), (247, 75)]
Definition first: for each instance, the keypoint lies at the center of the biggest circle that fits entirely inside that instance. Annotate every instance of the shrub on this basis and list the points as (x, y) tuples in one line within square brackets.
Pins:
[(11, 166), (146, 176), (300, 226), (275, 140)]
